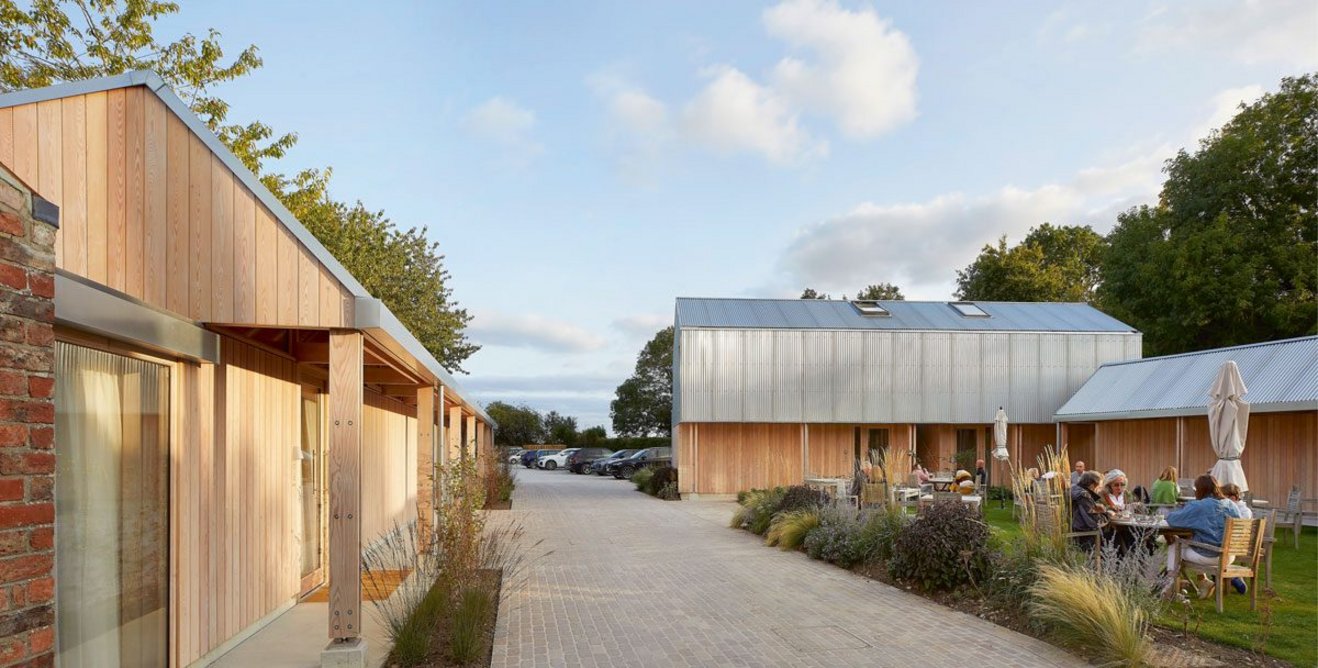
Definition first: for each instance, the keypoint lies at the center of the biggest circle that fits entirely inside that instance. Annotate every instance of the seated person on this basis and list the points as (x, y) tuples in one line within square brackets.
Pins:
[(1165, 491), (1114, 490), (921, 474), (1206, 516), (981, 475), (1086, 512), (1232, 493)]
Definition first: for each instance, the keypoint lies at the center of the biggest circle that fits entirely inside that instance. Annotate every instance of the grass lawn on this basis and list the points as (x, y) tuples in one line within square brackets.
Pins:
[(1294, 630)]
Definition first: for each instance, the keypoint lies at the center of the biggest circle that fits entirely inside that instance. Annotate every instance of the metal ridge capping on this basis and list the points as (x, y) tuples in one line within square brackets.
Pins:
[(162, 90)]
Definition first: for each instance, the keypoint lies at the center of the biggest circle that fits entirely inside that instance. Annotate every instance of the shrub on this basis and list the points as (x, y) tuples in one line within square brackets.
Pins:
[(669, 492), (641, 478), (878, 531), (798, 497), (789, 529), (662, 477), (756, 510), (1086, 609), (835, 540), (945, 546), (468, 625)]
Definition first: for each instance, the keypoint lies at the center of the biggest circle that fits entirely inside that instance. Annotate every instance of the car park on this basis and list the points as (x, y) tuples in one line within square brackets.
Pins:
[(554, 460), (647, 458), (579, 461)]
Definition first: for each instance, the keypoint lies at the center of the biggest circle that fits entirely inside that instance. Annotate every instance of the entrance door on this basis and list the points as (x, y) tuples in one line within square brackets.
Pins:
[(312, 489), (967, 449)]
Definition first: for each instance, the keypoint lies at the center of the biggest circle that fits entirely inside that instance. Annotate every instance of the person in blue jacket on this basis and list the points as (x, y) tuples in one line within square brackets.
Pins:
[(1206, 516)]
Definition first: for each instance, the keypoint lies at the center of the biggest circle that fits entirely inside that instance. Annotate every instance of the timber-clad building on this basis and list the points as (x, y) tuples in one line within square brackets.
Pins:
[(235, 415), (768, 391)]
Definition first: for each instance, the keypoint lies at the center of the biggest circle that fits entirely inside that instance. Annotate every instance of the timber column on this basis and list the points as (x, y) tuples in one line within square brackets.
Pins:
[(347, 647), (454, 434), (425, 464)]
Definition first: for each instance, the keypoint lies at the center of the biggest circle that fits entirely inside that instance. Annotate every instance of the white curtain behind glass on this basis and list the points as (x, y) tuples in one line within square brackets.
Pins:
[(111, 508)]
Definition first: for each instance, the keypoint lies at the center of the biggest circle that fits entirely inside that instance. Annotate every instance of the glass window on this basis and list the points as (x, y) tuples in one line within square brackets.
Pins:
[(111, 508), (870, 308), (968, 309)]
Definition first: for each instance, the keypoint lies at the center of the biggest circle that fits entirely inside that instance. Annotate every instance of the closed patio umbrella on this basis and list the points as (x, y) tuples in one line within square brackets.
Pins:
[(1000, 435), (1228, 422)]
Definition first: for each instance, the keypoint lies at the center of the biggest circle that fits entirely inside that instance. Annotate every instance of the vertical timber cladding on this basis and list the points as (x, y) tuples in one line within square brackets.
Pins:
[(345, 399), (425, 466)]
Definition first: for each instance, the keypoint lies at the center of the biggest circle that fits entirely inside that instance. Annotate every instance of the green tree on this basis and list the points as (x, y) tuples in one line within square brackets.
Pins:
[(810, 293), (886, 291), (643, 405), (592, 437), (561, 428), (49, 41), (1229, 254), (518, 425), (1052, 264)]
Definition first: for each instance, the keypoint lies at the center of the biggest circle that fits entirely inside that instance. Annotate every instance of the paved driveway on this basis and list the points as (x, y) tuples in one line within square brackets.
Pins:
[(635, 581)]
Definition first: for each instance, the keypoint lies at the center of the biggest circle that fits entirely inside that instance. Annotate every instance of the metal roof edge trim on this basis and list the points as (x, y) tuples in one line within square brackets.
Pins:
[(1211, 351), (710, 328), (1189, 411), (371, 313), (162, 90)]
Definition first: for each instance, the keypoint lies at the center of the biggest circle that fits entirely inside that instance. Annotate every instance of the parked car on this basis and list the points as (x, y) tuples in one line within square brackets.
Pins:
[(515, 456), (529, 457), (554, 460), (598, 467), (647, 458), (579, 461)]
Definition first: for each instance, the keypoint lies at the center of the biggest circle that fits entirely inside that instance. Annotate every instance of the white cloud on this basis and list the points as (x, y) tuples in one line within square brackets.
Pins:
[(734, 113), (1225, 106), (639, 125), (1251, 31), (644, 324), (531, 331), (920, 245), (506, 123), (863, 74), (851, 68)]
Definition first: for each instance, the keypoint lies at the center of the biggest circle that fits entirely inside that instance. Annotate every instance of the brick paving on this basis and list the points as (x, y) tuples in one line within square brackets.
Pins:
[(634, 581)]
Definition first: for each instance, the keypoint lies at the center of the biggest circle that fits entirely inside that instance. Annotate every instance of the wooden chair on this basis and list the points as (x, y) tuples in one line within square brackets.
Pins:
[(1294, 514), (1241, 541), (1269, 539), (1045, 517)]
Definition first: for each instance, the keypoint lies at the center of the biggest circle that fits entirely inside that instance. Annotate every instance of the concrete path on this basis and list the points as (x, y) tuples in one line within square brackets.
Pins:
[(635, 581)]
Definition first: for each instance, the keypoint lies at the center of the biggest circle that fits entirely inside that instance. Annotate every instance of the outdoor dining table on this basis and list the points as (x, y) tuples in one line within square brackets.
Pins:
[(942, 484)]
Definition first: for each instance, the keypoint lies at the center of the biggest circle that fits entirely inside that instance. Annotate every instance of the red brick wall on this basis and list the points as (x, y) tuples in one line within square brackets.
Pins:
[(27, 430)]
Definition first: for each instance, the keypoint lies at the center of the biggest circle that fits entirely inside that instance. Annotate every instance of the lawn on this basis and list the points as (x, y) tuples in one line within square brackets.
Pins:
[(1293, 635)]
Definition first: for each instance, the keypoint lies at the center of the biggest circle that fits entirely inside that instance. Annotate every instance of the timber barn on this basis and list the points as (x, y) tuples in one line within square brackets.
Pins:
[(768, 391), (1145, 415), (235, 415)]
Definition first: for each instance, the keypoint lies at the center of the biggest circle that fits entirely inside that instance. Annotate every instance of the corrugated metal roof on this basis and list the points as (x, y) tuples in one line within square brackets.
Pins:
[(1280, 375), (906, 315)]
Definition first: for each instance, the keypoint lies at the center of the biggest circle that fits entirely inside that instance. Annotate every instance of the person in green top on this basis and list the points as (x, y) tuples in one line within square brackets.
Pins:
[(1164, 488)]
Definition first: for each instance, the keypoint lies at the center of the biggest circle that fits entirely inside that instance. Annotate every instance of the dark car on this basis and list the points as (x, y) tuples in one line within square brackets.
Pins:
[(529, 457), (647, 458), (598, 467), (579, 461)]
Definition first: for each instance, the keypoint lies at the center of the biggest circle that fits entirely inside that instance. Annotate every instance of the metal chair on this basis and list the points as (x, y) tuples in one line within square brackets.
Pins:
[(1242, 540), (1294, 515)]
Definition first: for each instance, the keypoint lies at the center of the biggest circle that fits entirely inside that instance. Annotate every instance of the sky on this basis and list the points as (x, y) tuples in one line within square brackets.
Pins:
[(582, 164)]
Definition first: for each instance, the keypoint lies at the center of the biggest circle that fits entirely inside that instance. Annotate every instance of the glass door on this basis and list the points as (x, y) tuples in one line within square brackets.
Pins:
[(111, 508), (312, 489)]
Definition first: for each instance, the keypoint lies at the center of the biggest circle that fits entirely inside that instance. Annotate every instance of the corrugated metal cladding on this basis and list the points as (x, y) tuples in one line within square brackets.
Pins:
[(875, 376), (835, 314), (1280, 375)]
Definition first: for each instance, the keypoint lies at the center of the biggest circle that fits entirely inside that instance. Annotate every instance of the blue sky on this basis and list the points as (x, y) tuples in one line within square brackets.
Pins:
[(584, 163)]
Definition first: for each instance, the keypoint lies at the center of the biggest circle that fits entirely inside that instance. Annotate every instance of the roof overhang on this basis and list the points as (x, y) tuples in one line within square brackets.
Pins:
[(1191, 411)]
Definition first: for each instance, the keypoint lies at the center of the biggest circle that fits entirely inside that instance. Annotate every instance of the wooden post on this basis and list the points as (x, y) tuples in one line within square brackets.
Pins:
[(454, 434), (425, 465), (469, 437), (345, 484)]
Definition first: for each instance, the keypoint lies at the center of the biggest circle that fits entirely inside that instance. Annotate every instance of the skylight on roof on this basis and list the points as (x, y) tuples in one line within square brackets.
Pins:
[(968, 309), (870, 308)]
